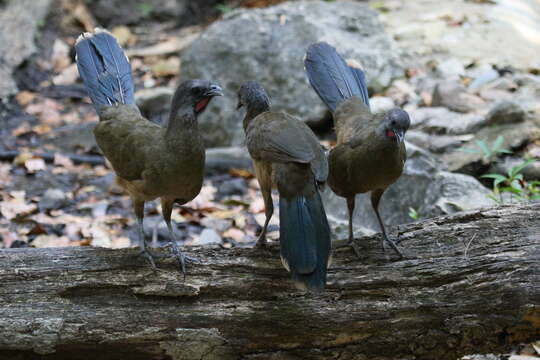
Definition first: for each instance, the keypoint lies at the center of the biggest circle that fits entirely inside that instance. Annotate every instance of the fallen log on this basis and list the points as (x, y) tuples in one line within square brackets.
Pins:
[(469, 283)]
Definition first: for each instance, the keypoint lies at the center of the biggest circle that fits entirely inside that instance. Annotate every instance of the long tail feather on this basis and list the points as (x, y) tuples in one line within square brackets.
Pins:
[(331, 77), (104, 69), (305, 240)]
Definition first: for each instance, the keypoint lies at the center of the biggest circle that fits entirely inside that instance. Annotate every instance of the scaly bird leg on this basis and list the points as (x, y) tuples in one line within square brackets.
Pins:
[(350, 243), (139, 213), (375, 198), (166, 208), (268, 211)]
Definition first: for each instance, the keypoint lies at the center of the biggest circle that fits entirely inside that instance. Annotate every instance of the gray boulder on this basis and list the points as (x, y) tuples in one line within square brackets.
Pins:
[(269, 44), (424, 186), (505, 112), (17, 45)]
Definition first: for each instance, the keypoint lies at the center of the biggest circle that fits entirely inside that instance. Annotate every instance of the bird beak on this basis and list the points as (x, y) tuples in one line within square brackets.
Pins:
[(400, 135), (215, 90)]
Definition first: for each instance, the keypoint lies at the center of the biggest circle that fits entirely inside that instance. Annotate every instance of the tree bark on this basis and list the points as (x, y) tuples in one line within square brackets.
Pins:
[(469, 283)]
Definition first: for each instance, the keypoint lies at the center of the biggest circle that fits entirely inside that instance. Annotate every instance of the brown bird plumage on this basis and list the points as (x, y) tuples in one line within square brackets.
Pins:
[(370, 153), (150, 161), (287, 155)]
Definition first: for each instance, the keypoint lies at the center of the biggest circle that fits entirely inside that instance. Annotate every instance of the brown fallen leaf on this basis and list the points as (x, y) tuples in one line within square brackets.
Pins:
[(34, 165), (37, 229), (47, 111), (172, 45), (60, 55), (257, 206), (25, 97), (168, 67), (123, 35), (14, 205), (46, 241), (234, 233), (77, 10), (120, 242), (22, 129), (62, 160), (243, 173), (67, 76)]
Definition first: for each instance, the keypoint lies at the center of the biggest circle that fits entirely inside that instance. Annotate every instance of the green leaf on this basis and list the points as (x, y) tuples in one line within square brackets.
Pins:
[(469, 151), (484, 147), (497, 178), (510, 190), (518, 168), (497, 143), (495, 198)]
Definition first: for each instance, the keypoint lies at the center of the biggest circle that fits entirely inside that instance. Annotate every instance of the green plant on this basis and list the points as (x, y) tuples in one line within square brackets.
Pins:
[(514, 184), (145, 8), (222, 8), (488, 152), (413, 214)]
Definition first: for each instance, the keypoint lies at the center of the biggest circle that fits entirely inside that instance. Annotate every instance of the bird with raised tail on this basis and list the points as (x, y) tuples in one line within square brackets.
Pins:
[(370, 152), (149, 160)]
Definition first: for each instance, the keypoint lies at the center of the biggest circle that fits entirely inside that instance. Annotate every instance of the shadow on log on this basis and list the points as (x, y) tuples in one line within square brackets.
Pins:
[(469, 283)]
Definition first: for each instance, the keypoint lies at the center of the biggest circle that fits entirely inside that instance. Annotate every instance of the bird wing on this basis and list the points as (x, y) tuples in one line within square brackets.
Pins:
[(279, 137), (125, 138)]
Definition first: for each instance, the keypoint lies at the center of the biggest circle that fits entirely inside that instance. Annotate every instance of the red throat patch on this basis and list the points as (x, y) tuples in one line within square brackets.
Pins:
[(390, 133), (201, 104)]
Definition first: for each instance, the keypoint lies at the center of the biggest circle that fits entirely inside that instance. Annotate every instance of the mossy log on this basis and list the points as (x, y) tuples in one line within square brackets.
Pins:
[(469, 283)]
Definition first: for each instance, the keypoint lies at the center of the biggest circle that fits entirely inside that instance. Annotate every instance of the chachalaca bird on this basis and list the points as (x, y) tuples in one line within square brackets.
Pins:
[(286, 154), (149, 160), (370, 152)]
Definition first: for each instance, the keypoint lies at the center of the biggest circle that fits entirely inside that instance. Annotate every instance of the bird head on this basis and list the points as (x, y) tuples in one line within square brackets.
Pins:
[(395, 124), (252, 95), (195, 95)]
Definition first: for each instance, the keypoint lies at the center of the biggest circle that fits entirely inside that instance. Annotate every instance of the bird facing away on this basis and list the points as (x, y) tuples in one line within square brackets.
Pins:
[(370, 152), (150, 161), (287, 155)]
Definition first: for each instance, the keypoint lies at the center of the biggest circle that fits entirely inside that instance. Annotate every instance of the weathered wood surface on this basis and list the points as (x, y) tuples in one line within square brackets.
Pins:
[(470, 283)]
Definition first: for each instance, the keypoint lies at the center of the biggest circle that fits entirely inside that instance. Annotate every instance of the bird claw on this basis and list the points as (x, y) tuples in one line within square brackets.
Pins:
[(261, 242), (149, 257), (393, 246), (350, 244), (182, 259)]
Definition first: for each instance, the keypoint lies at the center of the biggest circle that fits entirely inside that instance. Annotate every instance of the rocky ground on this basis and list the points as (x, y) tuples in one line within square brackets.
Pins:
[(466, 71)]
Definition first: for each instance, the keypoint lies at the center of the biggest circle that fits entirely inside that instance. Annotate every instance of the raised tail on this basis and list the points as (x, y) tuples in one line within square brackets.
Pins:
[(305, 240), (104, 69), (331, 77)]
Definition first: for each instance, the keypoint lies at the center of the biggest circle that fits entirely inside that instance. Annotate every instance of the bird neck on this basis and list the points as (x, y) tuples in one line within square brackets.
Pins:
[(182, 123), (253, 110)]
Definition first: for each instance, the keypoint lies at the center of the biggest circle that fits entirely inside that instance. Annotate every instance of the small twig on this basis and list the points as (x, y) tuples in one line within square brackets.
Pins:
[(468, 245)]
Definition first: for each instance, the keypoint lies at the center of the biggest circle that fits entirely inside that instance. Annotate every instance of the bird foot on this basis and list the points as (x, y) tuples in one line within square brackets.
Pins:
[(261, 242), (182, 259), (149, 257), (351, 244), (393, 246)]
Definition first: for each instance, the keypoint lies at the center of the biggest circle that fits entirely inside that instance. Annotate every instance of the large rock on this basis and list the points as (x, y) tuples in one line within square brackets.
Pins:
[(19, 21), (424, 186), (269, 44)]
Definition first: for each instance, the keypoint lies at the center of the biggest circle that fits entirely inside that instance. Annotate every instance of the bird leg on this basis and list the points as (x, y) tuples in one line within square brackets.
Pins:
[(139, 213), (375, 198), (268, 211), (350, 243), (166, 208)]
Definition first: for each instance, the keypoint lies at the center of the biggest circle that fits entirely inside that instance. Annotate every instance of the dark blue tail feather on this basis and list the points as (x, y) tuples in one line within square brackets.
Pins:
[(305, 240), (331, 77), (104, 69)]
